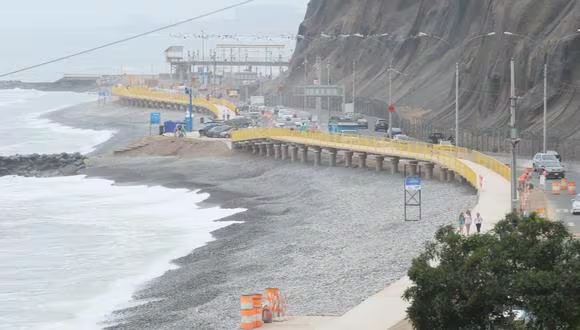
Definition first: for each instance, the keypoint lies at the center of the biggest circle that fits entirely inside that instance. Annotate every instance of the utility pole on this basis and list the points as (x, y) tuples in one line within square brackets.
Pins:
[(328, 83), (457, 104), (390, 129), (514, 137), (354, 85), (319, 80), (545, 101), (305, 82), (203, 56)]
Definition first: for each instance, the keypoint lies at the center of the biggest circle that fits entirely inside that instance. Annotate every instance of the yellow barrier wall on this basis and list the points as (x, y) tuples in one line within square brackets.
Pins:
[(145, 93), (419, 151)]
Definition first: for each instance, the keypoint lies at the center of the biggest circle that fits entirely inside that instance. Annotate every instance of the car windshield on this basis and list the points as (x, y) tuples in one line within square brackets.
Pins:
[(549, 157)]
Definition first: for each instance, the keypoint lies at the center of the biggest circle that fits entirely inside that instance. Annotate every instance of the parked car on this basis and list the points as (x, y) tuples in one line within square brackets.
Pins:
[(540, 159), (381, 125), (216, 131), (207, 127), (576, 205), (226, 134), (554, 169)]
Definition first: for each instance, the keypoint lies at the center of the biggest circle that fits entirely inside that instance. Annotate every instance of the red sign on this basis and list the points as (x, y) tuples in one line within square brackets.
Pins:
[(280, 88), (391, 108)]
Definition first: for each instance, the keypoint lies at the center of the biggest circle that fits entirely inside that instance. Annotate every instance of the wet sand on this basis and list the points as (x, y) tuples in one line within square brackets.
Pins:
[(328, 237)]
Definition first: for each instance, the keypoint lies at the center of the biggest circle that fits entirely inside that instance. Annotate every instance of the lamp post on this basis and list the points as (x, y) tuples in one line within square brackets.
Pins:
[(189, 91)]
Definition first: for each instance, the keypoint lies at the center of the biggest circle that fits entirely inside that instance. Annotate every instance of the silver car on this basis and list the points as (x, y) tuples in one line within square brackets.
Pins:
[(540, 159), (576, 205), (554, 169)]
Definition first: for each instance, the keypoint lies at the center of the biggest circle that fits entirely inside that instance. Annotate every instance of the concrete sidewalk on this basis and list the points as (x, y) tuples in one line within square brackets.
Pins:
[(387, 309)]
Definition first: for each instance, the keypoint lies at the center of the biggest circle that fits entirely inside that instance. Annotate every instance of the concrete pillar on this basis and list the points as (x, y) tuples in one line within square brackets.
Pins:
[(285, 153), (317, 156), (429, 171), (333, 153), (263, 149), (269, 149), (293, 154), (413, 168), (277, 151), (348, 158), (443, 174), (395, 165), (362, 160), (304, 155), (255, 149), (379, 163), (451, 176), (462, 180)]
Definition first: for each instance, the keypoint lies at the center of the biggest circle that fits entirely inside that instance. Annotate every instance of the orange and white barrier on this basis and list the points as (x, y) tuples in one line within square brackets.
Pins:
[(247, 312), (564, 184), (572, 188), (257, 304), (541, 212), (556, 188), (276, 303)]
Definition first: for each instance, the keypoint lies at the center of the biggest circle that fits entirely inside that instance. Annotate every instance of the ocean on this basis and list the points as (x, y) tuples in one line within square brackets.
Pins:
[(74, 249)]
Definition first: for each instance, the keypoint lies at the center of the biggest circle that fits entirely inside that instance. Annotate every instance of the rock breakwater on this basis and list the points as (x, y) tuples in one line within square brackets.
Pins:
[(36, 165)]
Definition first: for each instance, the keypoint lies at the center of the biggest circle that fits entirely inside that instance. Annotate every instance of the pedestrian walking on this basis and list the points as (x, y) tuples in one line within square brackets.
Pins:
[(543, 180), (468, 221), (461, 222), (478, 222)]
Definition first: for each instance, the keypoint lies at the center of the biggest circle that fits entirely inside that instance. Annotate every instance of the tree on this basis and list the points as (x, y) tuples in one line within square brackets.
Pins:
[(477, 282)]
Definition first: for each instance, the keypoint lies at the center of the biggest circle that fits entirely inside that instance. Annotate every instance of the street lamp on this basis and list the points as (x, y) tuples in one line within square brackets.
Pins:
[(189, 91)]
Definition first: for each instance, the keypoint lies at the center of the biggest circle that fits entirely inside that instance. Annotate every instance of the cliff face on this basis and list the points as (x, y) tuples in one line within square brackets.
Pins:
[(428, 87)]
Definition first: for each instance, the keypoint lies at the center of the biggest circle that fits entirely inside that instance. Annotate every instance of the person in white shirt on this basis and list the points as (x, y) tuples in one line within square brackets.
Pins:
[(468, 221), (478, 222)]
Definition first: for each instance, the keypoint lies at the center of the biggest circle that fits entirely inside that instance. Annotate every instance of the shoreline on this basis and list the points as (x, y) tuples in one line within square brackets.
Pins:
[(299, 218)]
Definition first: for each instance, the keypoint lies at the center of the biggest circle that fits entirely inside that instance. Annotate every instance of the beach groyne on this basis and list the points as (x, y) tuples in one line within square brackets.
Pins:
[(36, 165)]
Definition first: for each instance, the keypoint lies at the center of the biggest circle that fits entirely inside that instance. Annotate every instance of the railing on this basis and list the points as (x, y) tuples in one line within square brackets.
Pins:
[(232, 107), (145, 93), (416, 150)]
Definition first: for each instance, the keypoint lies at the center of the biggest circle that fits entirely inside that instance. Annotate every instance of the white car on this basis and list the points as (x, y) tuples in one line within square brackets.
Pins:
[(576, 205)]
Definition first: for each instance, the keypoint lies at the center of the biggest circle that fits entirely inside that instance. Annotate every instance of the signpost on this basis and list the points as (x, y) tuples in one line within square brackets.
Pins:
[(154, 119), (412, 193)]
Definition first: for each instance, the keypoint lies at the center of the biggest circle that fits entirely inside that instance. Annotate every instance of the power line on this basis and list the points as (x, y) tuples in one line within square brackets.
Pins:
[(90, 50)]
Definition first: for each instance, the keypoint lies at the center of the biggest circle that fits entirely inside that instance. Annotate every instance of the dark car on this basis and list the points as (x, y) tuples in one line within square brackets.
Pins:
[(436, 138), (554, 170), (207, 127), (215, 132), (381, 125)]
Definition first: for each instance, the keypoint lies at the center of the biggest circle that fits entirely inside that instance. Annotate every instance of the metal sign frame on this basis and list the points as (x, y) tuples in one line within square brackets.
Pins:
[(319, 91), (412, 197)]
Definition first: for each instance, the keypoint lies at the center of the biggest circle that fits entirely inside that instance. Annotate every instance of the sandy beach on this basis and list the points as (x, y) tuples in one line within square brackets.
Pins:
[(328, 237)]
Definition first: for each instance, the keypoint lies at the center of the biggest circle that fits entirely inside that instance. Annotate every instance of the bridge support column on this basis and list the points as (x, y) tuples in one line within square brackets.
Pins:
[(285, 153), (395, 165), (269, 149), (317, 156), (379, 160), (413, 168), (304, 154), (277, 151), (263, 149), (348, 158), (443, 174), (451, 176), (333, 153), (362, 160), (293, 154), (462, 180), (429, 167), (255, 149)]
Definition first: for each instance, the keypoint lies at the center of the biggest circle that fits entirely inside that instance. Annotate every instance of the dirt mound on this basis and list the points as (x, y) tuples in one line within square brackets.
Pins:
[(170, 146)]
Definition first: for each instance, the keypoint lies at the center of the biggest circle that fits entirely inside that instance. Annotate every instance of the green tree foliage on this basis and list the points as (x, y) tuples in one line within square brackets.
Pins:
[(477, 282)]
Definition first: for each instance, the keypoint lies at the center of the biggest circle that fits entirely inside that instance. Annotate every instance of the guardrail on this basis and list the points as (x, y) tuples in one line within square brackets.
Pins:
[(421, 151), (145, 93)]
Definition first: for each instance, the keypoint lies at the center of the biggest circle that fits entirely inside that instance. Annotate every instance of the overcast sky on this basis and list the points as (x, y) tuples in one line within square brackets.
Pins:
[(33, 31)]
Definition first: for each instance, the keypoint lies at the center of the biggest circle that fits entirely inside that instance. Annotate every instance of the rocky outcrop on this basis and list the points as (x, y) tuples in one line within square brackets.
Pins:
[(43, 165), (427, 88)]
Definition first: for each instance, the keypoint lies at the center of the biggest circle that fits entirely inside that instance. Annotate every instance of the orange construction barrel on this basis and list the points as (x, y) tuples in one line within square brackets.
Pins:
[(564, 184), (572, 188), (541, 212), (556, 188), (257, 305), (247, 312)]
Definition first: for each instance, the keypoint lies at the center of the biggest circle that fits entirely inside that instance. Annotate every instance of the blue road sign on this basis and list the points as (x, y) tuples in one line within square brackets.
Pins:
[(413, 183), (155, 118)]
